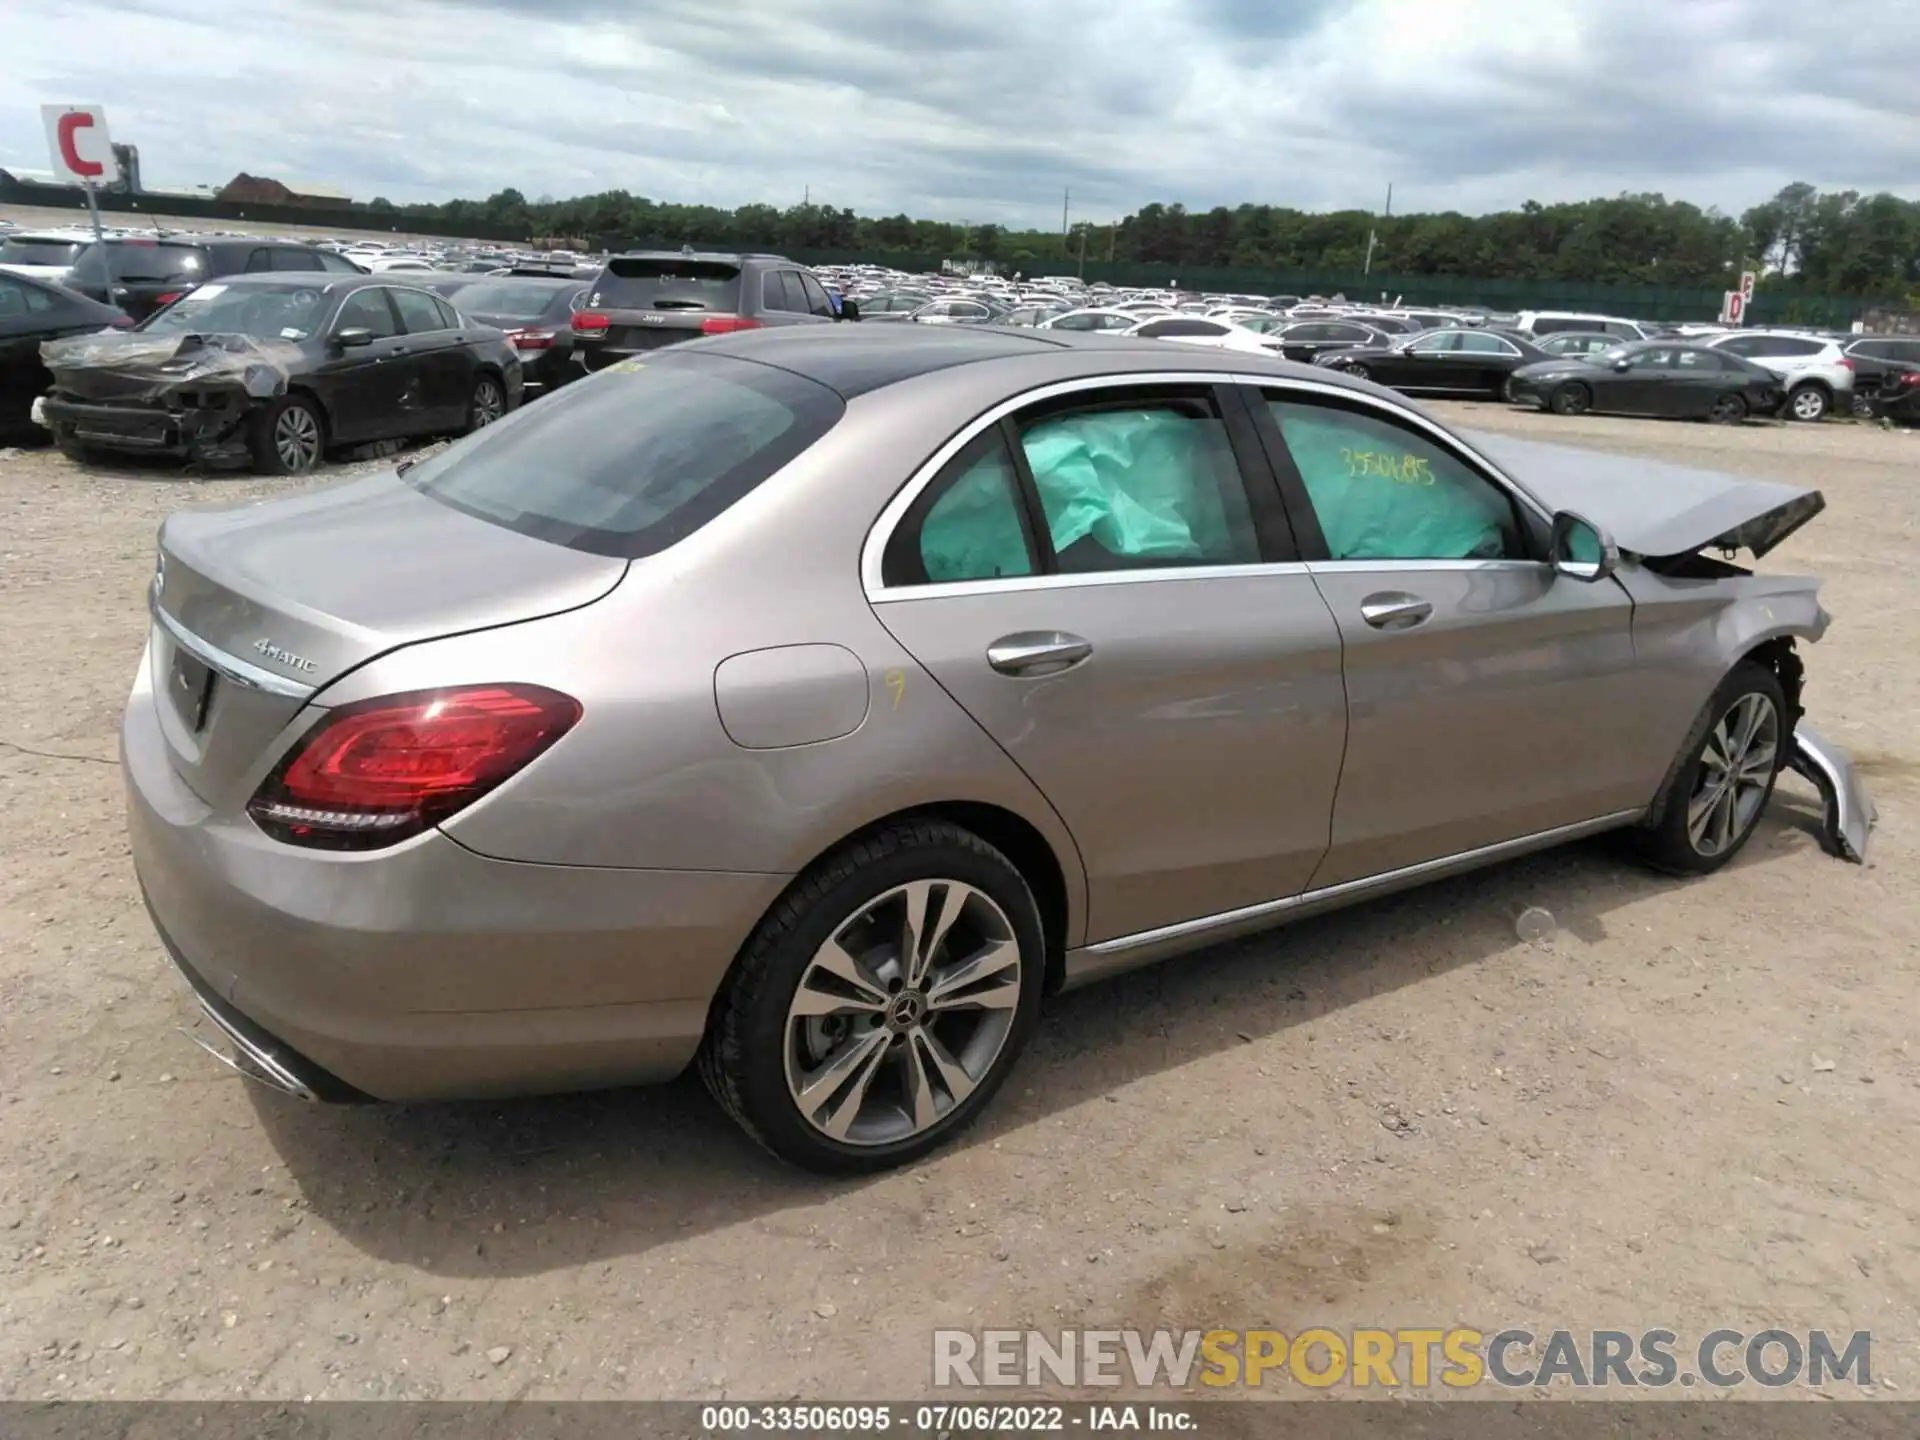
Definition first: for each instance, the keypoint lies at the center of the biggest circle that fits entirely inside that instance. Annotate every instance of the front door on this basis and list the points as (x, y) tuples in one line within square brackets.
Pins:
[(1479, 682), (372, 391), (1099, 589)]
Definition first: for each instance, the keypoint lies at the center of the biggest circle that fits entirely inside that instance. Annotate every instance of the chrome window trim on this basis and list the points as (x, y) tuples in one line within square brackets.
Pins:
[(873, 550), (230, 667)]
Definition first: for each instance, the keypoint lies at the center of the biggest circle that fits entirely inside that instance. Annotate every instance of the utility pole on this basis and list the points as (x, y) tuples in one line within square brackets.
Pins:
[(1113, 232), (1066, 198), (1373, 234), (806, 195)]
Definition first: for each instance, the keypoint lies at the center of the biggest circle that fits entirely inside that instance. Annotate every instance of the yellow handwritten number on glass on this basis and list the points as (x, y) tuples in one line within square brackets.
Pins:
[(897, 683)]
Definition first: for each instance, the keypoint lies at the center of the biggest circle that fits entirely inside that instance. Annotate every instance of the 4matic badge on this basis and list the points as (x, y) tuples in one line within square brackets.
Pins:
[(285, 657)]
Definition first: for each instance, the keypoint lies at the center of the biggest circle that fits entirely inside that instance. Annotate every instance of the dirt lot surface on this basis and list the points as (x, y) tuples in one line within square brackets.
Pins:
[(1695, 1107)]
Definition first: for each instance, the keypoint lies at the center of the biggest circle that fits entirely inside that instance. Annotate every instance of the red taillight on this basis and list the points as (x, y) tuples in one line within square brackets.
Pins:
[(1846, 362), (169, 297), (726, 324), (1908, 379), (590, 322), (373, 773), (121, 322), (530, 339)]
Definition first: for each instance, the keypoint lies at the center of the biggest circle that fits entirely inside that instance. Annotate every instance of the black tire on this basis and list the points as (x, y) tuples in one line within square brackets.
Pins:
[(1670, 843), (1728, 410), (487, 404), (288, 437), (1862, 406), (1571, 399), (1808, 403), (743, 1057)]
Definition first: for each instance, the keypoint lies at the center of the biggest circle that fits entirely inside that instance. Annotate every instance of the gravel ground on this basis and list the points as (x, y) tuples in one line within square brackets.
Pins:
[(1685, 1110)]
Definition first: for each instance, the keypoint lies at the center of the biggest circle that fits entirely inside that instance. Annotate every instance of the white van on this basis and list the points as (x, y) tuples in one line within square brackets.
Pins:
[(1541, 323)]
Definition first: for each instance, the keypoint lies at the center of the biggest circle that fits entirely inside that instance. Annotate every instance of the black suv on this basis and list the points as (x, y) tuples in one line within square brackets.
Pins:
[(142, 275), (1875, 360), (650, 298)]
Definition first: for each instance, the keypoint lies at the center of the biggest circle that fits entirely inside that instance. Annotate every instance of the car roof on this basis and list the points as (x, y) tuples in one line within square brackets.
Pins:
[(732, 257), (853, 360)]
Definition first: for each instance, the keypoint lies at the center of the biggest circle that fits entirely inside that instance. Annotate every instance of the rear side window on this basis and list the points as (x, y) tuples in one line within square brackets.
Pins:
[(667, 283), (636, 458), (1139, 486), (1623, 330), (968, 524), (39, 252), (419, 311), (1783, 346), (287, 258)]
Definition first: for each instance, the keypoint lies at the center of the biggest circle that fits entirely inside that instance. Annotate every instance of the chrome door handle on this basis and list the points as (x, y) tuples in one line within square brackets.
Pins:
[(1037, 652), (1394, 610)]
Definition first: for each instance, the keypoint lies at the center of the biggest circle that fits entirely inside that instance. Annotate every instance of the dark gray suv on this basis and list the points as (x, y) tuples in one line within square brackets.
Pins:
[(651, 298)]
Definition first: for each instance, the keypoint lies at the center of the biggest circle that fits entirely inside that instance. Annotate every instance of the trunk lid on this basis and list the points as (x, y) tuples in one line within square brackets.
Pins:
[(284, 597), (1655, 510)]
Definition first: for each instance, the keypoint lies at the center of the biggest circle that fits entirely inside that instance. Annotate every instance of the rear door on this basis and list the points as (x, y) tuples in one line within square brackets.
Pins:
[(816, 309), (445, 364), (1481, 363), (1490, 698), (1104, 580)]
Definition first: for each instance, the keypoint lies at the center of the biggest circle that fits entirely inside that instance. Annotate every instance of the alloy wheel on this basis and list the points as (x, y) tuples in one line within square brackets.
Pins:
[(1357, 370), (296, 438), (1736, 768), (488, 403), (902, 1012), (1809, 404), (1727, 410)]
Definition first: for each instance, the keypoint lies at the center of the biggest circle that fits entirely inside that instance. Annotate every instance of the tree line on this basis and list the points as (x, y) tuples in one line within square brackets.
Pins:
[(1817, 242)]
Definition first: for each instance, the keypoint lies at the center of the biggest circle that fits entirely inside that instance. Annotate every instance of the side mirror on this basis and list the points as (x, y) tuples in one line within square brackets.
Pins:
[(1623, 365), (849, 309), (352, 338), (1581, 550)]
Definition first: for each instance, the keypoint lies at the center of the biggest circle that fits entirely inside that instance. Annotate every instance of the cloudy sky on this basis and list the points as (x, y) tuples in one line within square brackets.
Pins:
[(988, 109)]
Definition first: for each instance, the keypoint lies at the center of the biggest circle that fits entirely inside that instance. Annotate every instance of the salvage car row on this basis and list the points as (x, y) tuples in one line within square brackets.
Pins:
[(245, 349)]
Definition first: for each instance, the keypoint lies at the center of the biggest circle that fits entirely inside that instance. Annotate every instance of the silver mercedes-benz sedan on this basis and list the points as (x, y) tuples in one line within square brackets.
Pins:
[(809, 705)]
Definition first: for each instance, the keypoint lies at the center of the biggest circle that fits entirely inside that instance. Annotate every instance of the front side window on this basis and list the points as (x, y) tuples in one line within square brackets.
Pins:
[(13, 299), (1696, 360), (1132, 486), (1382, 491), (368, 310), (1435, 344), (816, 296)]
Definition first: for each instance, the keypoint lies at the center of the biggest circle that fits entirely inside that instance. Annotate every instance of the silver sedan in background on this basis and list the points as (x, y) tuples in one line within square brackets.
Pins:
[(809, 705)]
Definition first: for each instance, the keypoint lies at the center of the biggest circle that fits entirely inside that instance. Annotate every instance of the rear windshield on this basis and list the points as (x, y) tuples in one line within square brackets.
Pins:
[(508, 299), (39, 252), (163, 264), (667, 283), (635, 458)]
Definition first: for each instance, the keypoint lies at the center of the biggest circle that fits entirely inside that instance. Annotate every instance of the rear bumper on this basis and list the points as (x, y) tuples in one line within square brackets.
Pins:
[(428, 972)]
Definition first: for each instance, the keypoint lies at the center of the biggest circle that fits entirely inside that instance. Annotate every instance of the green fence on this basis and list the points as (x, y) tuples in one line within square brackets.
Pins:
[(1770, 304)]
